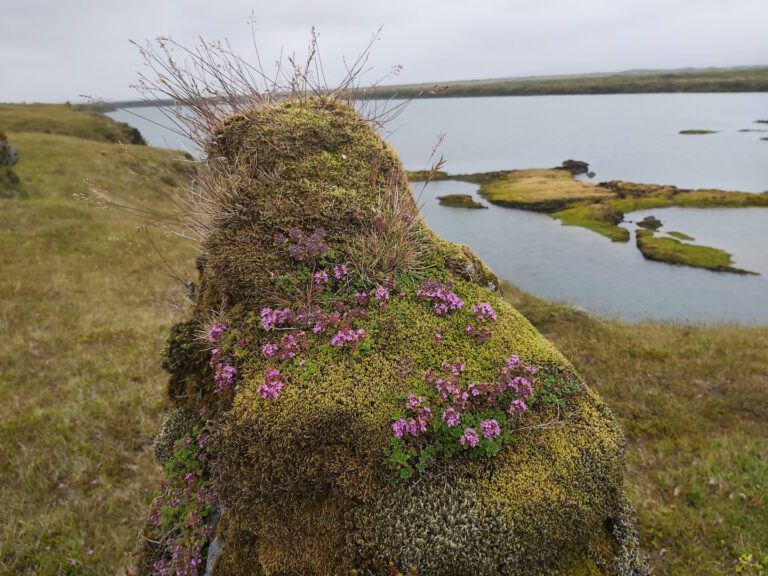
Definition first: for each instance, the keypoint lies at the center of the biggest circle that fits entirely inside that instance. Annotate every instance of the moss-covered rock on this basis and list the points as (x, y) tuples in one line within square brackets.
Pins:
[(311, 326)]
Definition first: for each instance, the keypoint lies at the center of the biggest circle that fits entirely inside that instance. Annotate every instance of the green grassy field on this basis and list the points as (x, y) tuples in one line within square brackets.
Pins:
[(85, 305)]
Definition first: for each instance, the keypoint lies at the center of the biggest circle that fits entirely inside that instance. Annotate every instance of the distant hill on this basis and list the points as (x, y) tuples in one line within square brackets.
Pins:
[(736, 79)]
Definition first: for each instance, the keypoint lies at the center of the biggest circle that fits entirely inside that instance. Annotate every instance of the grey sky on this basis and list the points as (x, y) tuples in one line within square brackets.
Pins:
[(52, 50)]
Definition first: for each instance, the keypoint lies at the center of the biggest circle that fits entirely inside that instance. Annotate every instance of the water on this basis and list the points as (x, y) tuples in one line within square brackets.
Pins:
[(624, 137), (627, 137), (575, 265)]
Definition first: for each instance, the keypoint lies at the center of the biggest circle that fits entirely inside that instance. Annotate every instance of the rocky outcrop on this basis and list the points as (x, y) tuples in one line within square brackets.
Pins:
[(352, 395), (9, 180)]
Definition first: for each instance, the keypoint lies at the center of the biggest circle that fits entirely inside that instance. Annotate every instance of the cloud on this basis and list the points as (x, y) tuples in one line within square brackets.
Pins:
[(55, 51)]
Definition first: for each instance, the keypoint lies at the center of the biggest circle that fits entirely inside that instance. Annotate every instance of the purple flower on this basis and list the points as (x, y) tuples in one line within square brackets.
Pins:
[(513, 361), (491, 428), (340, 271), (414, 402), (451, 417), (293, 344), (224, 377), (381, 293), (321, 278), (517, 406), (269, 350), (215, 332), (361, 298), (346, 337), (399, 427), (437, 337), (271, 318), (469, 438), (484, 312), (439, 293), (272, 384)]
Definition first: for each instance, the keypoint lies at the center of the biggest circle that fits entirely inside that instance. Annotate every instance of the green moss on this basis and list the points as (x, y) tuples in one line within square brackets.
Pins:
[(681, 236), (650, 223), (673, 251), (460, 201), (697, 132), (600, 218)]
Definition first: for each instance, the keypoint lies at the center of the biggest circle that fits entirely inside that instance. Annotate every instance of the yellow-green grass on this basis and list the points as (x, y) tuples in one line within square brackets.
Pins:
[(694, 405), (459, 201), (423, 175), (83, 319), (64, 119), (542, 190), (681, 236), (673, 251), (600, 218)]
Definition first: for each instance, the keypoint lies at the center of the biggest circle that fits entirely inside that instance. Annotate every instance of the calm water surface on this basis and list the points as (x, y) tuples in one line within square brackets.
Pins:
[(627, 137)]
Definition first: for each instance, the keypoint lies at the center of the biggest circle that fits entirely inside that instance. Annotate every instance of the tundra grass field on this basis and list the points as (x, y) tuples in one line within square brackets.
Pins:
[(86, 299)]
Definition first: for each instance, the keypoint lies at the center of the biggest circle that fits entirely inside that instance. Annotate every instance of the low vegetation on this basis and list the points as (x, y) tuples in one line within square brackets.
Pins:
[(698, 132), (602, 207), (672, 251), (88, 303), (459, 201)]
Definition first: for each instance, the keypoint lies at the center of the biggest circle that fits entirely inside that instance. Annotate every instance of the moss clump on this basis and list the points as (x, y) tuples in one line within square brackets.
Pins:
[(650, 223), (673, 251), (460, 201), (681, 236), (318, 228), (600, 218), (423, 175), (697, 132)]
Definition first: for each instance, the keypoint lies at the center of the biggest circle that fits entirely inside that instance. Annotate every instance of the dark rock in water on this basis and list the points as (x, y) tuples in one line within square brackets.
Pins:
[(590, 174), (460, 201), (697, 132), (575, 167), (354, 395), (650, 223)]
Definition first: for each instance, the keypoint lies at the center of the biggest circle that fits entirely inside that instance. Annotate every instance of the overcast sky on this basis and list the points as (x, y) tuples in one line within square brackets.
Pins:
[(56, 50)]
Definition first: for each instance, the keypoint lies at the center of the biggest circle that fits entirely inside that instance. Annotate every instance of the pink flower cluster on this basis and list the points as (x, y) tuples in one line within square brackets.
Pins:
[(347, 337), (416, 424), (223, 373), (215, 332), (272, 384), (320, 278), (441, 296), (484, 313), (280, 317)]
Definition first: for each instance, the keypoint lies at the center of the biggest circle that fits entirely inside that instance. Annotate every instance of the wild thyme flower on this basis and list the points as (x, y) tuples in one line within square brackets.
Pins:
[(469, 438), (347, 337), (517, 406), (361, 298), (320, 278), (340, 271), (293, 344), (215, 332), (381, 294), (484, 312), (491, 429), (441, 296), (451, 417), (272, 384), (306, 247), (271, 318), (399, 428), (224, 377), (269, 350)]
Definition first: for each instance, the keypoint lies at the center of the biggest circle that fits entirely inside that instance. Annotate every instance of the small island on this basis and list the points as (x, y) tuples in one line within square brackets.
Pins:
[(697, 132), (601, 207), (460, 201)]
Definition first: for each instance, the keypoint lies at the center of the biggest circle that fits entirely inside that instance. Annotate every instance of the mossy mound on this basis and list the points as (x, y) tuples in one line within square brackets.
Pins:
[(326, 303), (459, 201)]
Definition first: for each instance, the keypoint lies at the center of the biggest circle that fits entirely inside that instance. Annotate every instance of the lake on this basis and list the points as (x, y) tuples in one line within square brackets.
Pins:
[(627, 137)]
